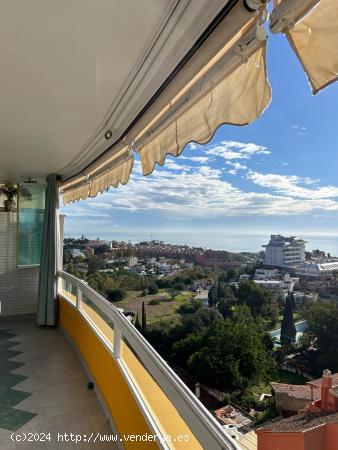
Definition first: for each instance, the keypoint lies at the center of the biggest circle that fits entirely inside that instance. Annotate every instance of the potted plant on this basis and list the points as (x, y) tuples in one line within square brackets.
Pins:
[(10, 191)]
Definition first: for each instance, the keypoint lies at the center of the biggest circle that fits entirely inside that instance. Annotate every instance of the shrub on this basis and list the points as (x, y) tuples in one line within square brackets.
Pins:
[(168, 299), (115, 295), (152, 289), (153, 302)]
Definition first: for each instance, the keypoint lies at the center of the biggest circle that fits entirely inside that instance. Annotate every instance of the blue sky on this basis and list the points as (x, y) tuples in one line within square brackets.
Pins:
[(278, 174)]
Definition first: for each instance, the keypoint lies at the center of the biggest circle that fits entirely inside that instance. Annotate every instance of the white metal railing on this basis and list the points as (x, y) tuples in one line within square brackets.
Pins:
[(202, 424)]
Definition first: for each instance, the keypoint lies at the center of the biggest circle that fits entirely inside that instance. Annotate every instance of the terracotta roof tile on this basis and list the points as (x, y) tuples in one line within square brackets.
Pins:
[(318, 381), (303, 422), (334, 391), (300, 391)]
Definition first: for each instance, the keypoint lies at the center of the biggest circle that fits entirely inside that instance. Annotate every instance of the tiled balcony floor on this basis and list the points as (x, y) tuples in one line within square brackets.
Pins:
[(43, 389)]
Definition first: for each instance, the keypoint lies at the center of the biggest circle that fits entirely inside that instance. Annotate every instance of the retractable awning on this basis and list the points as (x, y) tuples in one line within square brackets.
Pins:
[(223, 81), (234, 90), (83, 88), (311, 27)]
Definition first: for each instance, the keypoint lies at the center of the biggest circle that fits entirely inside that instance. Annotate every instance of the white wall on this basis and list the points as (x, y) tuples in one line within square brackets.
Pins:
[(18, 287)]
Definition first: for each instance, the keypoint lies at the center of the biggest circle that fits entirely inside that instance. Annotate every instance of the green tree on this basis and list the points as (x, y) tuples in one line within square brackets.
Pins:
[(94, 264), (293, 301), (226, 300), (144, 320), (137, 323), (213, 295), (229, 354), (188, 308), (152, 289), (101, 249), (288, 329), (115, 295), (231, 274), (67, 256), (322, 331), (164, 283), (254, 296)]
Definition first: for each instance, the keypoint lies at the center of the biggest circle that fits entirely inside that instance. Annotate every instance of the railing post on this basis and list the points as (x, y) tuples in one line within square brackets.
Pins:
[(117, 341), (78, 296)]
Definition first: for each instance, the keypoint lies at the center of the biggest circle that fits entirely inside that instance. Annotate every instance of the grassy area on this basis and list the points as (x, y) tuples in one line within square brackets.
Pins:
[(266, 410), (282, 376), (166, 309)]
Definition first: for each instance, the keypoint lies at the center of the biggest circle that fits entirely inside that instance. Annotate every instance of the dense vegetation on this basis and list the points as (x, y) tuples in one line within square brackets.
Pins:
[(322, 333), (230, 353)]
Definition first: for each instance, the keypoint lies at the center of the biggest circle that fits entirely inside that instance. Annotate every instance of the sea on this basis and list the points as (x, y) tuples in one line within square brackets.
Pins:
[(230, 242)]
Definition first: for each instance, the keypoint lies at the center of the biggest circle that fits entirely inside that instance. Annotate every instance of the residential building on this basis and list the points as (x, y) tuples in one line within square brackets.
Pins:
[(315, 427), (302, 297), (317, 270), (267, 274), (132, 261), (292, 398), (281, 251), (76, 252), (245, 277)]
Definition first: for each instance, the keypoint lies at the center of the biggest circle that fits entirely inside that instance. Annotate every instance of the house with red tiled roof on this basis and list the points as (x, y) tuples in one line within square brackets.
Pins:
[(313, 429), (292, 398)]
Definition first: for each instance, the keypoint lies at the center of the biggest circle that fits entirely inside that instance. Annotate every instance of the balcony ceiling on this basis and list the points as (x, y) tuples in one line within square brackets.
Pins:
[(72, 69)]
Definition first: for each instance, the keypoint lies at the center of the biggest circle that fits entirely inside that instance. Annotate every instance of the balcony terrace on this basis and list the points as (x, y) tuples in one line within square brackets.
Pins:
[(84, 88), (44, 388)]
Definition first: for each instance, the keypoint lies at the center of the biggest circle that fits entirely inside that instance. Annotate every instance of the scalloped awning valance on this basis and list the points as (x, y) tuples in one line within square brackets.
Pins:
[(224, 82)]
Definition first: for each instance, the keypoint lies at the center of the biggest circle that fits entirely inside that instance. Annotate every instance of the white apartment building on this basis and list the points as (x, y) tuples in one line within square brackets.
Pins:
[(284, 251), (315, 270), (267, 274)]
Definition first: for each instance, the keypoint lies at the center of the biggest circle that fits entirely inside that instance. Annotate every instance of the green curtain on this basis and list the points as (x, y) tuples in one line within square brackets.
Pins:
[(48, 262)]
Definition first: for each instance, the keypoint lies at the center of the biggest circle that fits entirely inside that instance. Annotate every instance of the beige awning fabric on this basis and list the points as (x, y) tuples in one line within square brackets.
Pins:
[(314, 38), (234, 91), (108, 171), (115, 171), (75, 194)]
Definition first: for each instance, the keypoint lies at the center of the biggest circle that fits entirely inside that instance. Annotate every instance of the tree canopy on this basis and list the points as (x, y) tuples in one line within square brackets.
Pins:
[(288, 329), (322, 330)]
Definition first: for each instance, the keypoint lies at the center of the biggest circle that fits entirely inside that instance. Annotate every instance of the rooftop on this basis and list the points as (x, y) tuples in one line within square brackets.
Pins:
[(304, 422), (318, 381), (230, 415), (302, 391)]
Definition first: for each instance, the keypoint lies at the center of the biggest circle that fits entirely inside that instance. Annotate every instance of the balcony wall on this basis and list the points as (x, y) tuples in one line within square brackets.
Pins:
[(18, 286), (140, 391), (126, 416)]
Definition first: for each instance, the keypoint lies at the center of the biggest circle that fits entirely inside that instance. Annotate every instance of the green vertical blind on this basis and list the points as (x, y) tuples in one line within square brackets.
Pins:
[(30, 223)]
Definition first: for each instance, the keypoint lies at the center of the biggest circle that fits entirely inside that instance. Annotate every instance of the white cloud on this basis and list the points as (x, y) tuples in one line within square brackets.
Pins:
[(201, 159), (236, 165), (203, 192), (173, 165), (230, 150), (209, 172), (232, 171), (293, 185)]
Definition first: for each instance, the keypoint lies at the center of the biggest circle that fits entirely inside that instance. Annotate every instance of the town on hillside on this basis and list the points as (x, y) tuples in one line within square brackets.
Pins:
[(253, 335)]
